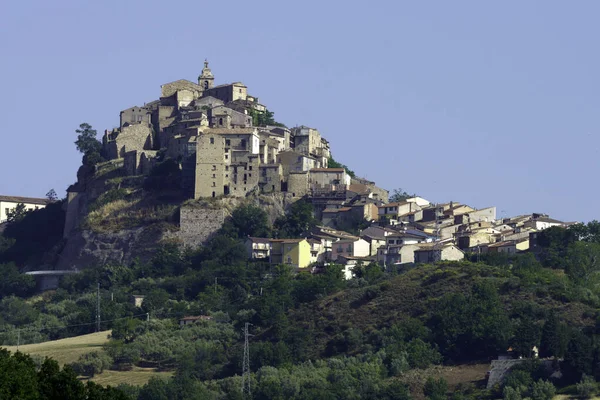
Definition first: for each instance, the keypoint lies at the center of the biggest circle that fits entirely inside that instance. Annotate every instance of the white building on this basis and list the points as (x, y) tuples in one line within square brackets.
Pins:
[(8, 203)]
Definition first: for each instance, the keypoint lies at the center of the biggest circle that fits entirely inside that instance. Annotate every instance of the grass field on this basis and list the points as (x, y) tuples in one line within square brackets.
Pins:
[(66, 351)]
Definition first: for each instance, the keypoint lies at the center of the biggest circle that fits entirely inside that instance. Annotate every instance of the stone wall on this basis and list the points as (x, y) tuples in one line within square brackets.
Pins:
[(133, 137), (298, 184), (197, 225)]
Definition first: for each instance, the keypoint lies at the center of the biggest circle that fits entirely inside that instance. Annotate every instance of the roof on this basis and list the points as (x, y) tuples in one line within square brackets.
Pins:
[(359, 188), (349, 240), (432, 246), (549, 220), (182, 80), (503, 244), (259, 240), (327, 170), (287, 240), (230, 131), (395, 204), (26, 200)]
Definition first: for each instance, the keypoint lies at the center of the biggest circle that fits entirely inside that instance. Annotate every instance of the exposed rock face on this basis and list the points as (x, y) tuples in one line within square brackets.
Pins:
[(198, 223), (87, 248)]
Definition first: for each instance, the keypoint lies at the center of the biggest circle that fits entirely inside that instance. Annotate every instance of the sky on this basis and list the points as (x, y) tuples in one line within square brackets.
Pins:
[(483, 103)]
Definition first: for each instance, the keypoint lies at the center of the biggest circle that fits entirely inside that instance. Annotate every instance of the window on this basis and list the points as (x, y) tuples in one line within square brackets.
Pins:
[(213, 194), (250, 169), (227, 142), (289, 260), (214, 167), (249, 175), (220, 121), (227, 168), (212, 140), (206, 87), (214, 175), (243, 143), (227, 156)]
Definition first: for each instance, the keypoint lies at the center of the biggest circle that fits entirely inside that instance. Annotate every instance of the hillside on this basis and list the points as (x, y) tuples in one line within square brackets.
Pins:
[(67, 351)]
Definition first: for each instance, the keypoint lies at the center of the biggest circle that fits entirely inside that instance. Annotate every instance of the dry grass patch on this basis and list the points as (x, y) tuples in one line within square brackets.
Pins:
[(137, 376), (65, 351)]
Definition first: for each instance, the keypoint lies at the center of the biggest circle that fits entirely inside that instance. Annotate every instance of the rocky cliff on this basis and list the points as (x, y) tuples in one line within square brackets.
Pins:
[(197, 222)]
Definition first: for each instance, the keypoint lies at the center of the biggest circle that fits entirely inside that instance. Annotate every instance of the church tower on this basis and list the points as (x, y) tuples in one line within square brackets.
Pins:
[(206, 78)]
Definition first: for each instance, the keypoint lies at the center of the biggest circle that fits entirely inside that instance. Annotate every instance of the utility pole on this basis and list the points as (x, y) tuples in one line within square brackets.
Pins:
[(98, 309), (246, 393)]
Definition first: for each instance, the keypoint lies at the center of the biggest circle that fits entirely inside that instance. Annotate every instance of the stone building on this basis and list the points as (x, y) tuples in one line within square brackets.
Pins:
[(227, 162), (209, 130)]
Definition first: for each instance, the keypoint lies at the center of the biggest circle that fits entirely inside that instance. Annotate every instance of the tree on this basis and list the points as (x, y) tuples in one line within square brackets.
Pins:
[(583, 261), (435, 389), (86, 139), (400, 195), (554, 338), (17, 213), (51, 195), (542, 390), (298, 220), (526, 335), (247, 220), (87, 144), (578, 358), (331, 163)]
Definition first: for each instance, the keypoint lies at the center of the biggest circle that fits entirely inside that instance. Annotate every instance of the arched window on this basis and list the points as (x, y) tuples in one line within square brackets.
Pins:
[(220, 121), (205, 84)]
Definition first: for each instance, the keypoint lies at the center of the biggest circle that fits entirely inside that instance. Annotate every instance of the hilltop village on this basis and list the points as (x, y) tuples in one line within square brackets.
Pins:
[(227, 145), (216, 134), (224, 150)]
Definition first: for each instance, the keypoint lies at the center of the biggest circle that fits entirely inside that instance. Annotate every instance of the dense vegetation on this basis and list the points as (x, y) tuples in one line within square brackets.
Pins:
[(378, 335)]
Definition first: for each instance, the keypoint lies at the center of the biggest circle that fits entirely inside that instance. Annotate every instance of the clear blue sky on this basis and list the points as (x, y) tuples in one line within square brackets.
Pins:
[(486, 103)]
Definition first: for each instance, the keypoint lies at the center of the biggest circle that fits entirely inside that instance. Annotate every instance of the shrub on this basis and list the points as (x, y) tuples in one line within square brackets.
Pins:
[(91, 364), (435, 389), (511, 393), (543, 390), (586, 387)]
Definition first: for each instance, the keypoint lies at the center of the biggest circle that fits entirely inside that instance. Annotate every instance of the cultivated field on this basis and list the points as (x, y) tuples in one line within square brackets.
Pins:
[(68, 350)]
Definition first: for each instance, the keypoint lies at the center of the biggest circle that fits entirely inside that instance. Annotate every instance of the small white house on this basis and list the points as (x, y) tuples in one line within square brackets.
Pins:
[(8, 203)]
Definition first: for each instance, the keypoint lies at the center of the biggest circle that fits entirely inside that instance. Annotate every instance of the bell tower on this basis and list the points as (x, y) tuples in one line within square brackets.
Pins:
[(206, 78)]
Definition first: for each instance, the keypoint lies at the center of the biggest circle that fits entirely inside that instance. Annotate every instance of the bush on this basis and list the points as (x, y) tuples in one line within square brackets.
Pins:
[(435, 389), (587, 387), (91, 364), (511, 393), (543, 390)]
